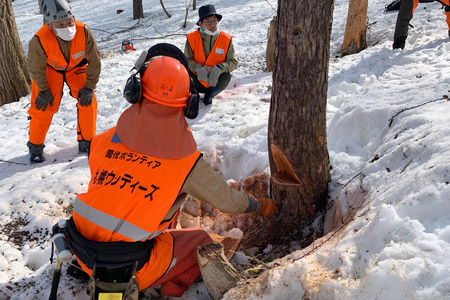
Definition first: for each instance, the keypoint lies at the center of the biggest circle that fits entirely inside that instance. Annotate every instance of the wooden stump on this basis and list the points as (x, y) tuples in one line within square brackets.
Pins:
[(217, 272)]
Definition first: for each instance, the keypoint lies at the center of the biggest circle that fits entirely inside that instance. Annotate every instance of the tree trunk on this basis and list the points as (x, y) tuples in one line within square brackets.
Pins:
[(297, 136), (355, 29), (15, 79), (138, 11)]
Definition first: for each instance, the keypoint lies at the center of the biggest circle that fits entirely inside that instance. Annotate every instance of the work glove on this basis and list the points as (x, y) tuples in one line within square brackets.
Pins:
[(43, 99), (214, 74), (85, 95), (202, 73), (268, 206)]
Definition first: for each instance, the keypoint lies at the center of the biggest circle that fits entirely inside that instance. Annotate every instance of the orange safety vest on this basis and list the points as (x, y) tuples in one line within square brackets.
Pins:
[(129, 193), (55, 57), (217, 55)]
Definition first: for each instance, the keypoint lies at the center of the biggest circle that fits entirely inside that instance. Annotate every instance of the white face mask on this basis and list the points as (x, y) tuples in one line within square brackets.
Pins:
[(210, 32), (66, 34)]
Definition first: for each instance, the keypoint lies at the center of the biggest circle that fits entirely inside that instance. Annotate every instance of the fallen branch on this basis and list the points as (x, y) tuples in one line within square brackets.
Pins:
[(445, 97), (217, 272), (13, 162), (167, 13), (409, 162), (120, 31)]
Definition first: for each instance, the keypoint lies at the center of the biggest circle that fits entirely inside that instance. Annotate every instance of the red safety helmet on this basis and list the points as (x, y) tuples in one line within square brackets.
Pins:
[(166, 81)]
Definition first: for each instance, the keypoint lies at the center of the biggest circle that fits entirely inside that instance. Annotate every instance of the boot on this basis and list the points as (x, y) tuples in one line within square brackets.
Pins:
[(36, 152), (210, 94), (399, 43), (84, 146)]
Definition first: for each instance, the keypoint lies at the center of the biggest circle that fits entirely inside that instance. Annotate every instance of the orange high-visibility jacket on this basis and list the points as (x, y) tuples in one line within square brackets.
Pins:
[(55, 57), (58, 70), (129, 193), (218, 53)]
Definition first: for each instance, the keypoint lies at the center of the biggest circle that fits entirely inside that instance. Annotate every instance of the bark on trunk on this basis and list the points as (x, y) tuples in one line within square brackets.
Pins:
[(15, 80), (138, 11), (297, 137), (355, 29)]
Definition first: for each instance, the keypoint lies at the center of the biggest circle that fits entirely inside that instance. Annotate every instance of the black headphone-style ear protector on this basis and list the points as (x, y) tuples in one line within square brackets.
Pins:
[(133, 88)]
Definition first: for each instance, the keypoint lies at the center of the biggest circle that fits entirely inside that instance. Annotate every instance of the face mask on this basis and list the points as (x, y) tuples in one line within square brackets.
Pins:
[(66, 34), (210, 32)]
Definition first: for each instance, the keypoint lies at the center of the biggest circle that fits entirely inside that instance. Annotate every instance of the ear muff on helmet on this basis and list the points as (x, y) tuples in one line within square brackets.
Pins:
[(193, 102), (133, 88), (133, 91)]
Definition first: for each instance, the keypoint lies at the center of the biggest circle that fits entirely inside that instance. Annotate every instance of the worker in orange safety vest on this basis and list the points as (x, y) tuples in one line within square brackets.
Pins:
[(142, 171), (405, 14), (63, 50), (210, 54)]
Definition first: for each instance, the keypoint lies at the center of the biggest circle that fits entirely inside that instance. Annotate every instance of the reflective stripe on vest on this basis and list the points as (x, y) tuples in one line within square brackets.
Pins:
[(112, 223), (55, 57), (218, 52), (129, 193)]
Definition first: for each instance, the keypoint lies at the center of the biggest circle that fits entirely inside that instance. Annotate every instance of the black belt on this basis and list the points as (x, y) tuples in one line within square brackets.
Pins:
[(91, 252)]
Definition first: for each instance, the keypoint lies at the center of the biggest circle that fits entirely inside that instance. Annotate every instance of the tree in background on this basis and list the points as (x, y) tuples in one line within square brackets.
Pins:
[(297, 137), (355, 29), (138, 11), (14, 77)]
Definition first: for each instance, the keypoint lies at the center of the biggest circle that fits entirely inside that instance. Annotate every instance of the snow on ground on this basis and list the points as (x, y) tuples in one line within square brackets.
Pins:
[(388, 138)]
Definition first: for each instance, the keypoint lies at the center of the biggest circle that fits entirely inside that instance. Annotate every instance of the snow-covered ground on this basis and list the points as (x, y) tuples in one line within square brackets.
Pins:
[(388, 138)]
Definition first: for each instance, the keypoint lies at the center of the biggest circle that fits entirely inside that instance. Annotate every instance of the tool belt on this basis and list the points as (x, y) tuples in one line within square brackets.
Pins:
[(92, 253)]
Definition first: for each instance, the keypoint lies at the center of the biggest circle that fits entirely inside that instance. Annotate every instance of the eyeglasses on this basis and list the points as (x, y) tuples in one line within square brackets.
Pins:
[(210, 21)]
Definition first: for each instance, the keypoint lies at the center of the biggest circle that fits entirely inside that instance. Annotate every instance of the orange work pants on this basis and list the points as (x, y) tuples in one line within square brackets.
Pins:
[(86, 115)]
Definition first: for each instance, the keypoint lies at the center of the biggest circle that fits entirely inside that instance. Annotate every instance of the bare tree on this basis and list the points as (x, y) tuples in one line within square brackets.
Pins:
[(14, 76), (138, 11), (355, 29), (297, 137)]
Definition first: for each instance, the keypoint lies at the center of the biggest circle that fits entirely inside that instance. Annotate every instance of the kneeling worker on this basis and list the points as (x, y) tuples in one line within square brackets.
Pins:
[(210, 54), (142, 171)]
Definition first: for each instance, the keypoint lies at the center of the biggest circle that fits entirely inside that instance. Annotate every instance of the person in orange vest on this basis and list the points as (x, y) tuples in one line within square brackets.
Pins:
[(142, 171), (210, 54), (63, 50), (405, 14)]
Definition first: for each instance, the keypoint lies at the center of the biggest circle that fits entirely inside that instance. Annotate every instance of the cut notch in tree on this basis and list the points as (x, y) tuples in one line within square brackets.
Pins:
[(285, 171)]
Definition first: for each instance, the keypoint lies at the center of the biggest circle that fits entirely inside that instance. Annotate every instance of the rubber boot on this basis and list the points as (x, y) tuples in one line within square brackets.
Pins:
[(84, 146), (36, 152), (210, 94)]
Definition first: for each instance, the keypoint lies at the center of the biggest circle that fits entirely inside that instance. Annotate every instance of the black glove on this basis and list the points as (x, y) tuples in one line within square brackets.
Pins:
[(85, 95), (43, 99)]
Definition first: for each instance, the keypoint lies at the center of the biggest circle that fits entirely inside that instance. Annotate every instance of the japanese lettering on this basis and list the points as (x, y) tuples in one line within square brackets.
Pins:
[(132, 157), (127, 182)]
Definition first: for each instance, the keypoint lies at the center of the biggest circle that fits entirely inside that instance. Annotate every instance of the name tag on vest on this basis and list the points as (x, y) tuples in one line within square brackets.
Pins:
[(220, 51), (79, 54)]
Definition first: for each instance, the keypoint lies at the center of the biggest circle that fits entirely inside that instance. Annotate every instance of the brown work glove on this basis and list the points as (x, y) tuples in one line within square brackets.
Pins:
[(268, 206)]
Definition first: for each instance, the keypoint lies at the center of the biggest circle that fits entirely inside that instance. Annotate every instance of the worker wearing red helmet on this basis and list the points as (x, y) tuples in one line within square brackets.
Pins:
[(142, 171)]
